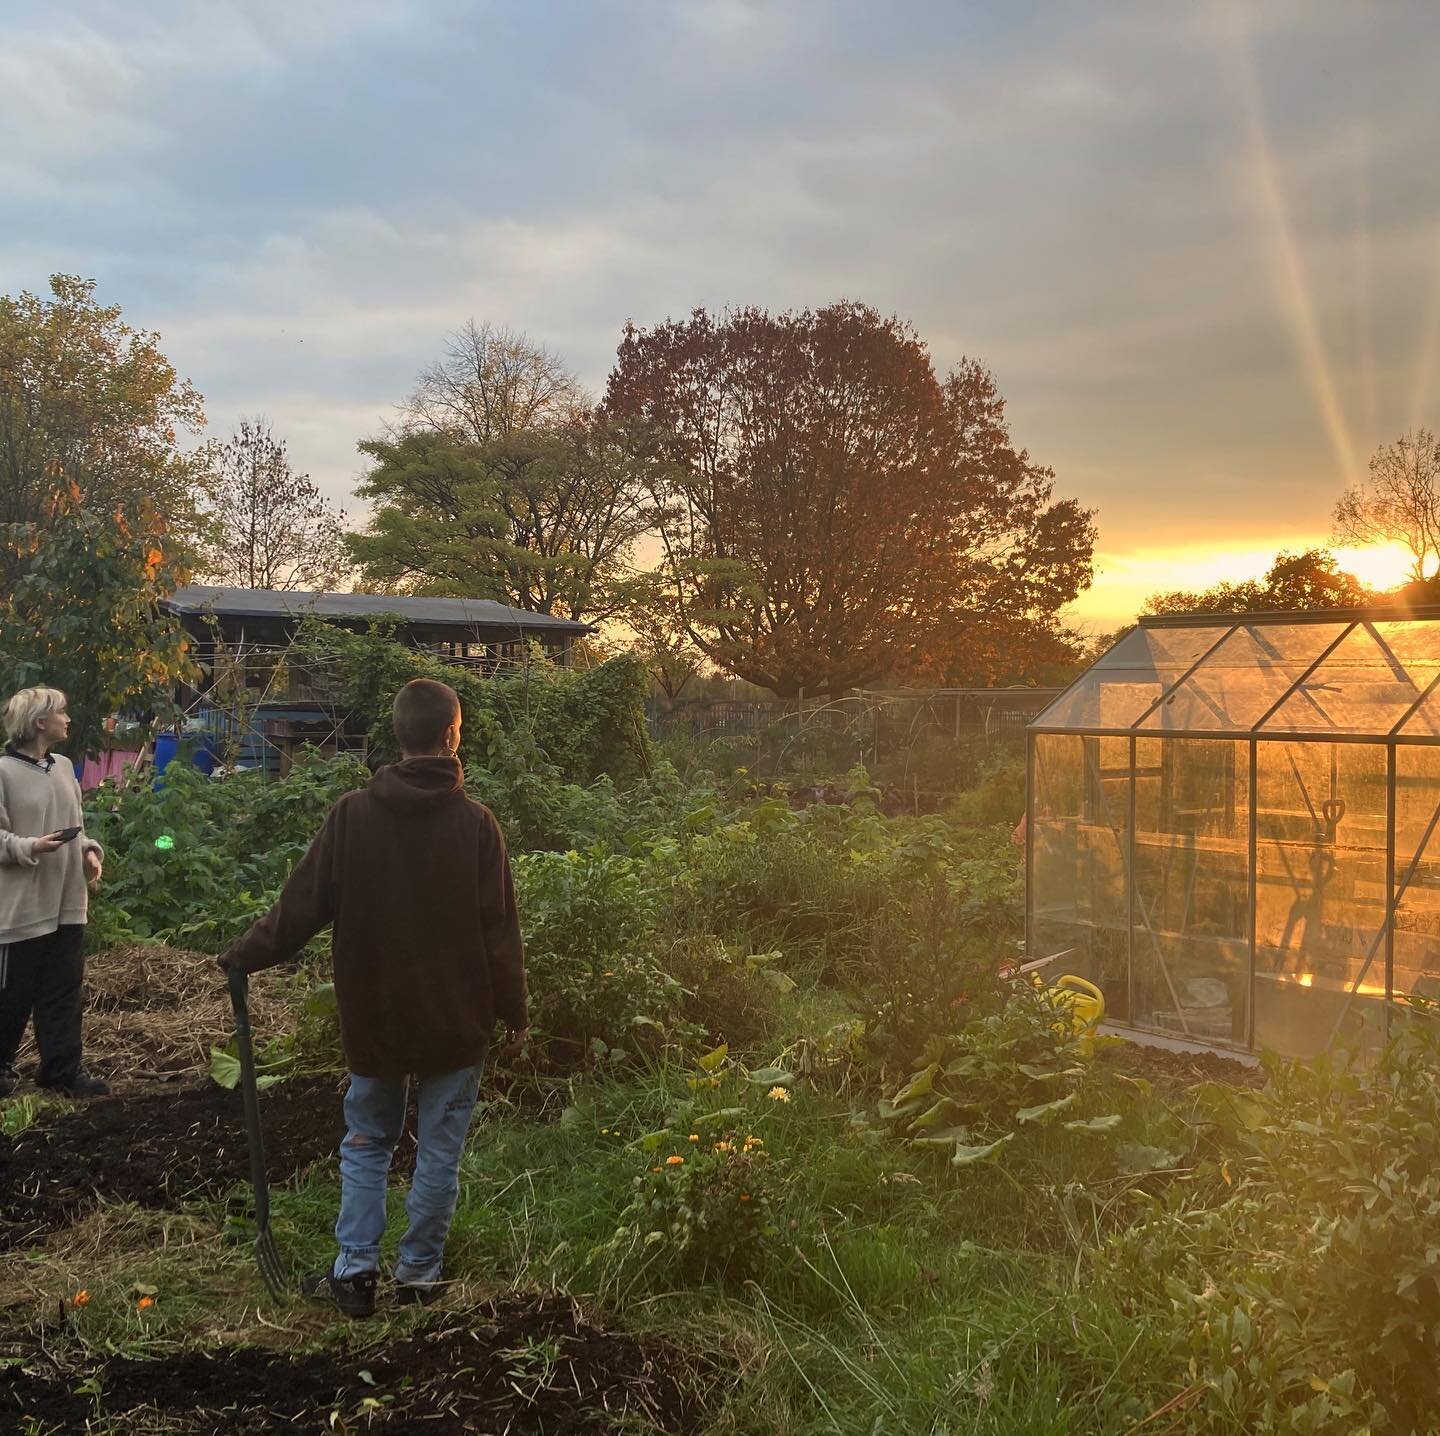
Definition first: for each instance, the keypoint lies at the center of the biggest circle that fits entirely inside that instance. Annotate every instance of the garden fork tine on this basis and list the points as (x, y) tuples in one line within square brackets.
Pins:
[(267, 1256)]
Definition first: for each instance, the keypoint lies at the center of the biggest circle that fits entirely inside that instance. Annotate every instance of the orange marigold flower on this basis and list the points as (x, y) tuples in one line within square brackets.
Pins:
[(81, 1298), (674, 1161), (144, 1302), (744, 1196)]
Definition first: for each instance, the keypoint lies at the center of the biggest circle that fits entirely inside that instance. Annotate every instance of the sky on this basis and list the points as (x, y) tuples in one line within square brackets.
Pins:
[(1198, 244)]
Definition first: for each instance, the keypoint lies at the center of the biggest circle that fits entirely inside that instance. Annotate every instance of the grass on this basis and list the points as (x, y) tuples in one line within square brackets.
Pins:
[(905, 1296)]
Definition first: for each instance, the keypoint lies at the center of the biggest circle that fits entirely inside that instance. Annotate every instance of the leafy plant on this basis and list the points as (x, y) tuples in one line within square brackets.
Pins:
[(1015, 1069)]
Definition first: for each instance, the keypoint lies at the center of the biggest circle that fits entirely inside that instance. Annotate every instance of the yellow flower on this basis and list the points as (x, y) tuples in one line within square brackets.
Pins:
[(654, 1169), (753, 1142), (722, 1146), (694, 1136), (674, 1161), (607, 974), (778, 1094), (81, 1298)]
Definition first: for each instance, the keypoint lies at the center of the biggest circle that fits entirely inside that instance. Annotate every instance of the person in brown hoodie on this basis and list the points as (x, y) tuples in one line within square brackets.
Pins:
[(413, 877)]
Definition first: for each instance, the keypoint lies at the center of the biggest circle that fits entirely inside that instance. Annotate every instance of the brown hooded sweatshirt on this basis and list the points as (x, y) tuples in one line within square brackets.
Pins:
[(414, 877)]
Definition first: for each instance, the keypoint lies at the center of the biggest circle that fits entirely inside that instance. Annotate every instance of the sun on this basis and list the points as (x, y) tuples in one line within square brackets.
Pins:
[(1381, 566)]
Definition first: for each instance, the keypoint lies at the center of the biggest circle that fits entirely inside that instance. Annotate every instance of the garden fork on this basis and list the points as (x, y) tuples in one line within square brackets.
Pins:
[(267, 1257)]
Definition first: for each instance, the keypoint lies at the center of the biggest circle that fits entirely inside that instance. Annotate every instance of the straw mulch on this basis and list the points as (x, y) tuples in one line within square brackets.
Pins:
[(155, 1011)]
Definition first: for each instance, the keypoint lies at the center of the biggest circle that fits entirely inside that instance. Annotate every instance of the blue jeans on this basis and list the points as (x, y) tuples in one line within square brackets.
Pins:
[(374, 1119)]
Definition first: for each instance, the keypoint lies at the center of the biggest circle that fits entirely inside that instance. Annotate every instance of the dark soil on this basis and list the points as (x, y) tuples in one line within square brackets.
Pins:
[(1175, 1073), (160, 1150), (521, 1364)]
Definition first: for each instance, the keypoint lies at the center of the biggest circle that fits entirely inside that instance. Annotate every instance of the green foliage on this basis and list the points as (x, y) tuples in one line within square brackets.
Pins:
[(1311, 1297), (234, 842), (83, 614), (596, 986), (537, 745), (703, 1210), (1006, 1073)]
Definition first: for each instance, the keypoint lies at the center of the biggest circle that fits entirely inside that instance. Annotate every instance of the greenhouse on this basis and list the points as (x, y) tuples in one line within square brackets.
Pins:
[(1232, 827)]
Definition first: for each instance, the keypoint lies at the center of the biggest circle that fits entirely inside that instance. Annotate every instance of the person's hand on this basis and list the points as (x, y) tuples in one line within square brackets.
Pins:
[(94, 868), (515, 1039), (50, 843)]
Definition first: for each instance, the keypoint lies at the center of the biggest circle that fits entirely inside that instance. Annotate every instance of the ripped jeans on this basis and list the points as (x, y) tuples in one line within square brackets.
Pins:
[(374, 1120)]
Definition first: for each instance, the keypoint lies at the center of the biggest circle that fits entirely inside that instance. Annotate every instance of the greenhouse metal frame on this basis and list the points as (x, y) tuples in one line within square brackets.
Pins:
[(1230, 822)]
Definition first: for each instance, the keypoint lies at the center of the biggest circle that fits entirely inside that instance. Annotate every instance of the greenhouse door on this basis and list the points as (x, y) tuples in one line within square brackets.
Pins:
[(1189, 919)]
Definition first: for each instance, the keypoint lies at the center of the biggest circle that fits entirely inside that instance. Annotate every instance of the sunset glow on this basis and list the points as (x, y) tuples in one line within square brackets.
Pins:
[(1124, 581)]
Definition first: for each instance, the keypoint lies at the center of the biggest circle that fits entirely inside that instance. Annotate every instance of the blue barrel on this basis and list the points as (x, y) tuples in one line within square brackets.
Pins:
[(166, 745)]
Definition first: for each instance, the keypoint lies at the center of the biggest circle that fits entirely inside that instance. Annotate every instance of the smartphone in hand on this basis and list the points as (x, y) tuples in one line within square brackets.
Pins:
[(66, 835)]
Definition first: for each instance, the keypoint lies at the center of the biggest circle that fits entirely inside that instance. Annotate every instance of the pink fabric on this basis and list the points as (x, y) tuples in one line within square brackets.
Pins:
[(109, 764)]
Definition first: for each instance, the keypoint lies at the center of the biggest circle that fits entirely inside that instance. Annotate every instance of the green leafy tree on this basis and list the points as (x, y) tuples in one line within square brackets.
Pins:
[(501, 483), (86, 399), (84, 614), (1295, 581), (833, 511)]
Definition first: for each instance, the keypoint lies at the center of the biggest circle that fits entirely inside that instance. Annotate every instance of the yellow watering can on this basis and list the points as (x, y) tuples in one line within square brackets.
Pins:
[(1083, 1004)]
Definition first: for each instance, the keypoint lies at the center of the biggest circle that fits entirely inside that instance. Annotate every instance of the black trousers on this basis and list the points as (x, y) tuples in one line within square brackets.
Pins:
[(42, 976)]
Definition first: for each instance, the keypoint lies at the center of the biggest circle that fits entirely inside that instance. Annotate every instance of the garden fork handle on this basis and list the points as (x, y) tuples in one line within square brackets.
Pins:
[(239, 1000)]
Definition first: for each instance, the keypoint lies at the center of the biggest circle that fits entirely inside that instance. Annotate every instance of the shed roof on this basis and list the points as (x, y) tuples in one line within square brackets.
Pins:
[(461, 613), (1351, 673)]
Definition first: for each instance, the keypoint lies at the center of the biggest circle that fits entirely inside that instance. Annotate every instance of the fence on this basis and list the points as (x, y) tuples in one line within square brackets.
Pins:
[(879, 720)]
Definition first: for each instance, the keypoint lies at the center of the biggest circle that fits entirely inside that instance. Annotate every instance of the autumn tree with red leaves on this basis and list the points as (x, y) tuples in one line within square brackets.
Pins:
[(833, 512)]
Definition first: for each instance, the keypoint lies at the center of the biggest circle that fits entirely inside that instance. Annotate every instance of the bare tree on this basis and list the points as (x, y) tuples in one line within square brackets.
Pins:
[(273, 527), (1399, 503), (491, 385)]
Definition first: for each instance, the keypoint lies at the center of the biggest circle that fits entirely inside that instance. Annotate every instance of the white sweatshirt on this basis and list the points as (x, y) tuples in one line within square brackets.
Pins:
[(39, 891)]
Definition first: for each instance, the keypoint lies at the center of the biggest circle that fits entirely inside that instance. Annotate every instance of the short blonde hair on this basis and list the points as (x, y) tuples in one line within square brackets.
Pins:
[(25, 710)]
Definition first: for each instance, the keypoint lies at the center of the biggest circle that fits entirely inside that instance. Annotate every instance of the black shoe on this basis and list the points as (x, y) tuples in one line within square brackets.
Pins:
[(419, 1293), (354, 1295), (9, 1080), (82, 1084)]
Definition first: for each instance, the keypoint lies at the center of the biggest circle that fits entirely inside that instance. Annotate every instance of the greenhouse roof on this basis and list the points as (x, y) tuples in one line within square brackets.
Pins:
[(1352, 674)]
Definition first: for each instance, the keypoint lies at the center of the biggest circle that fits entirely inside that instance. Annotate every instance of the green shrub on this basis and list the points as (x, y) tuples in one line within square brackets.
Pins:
[(225, 847), (596, 987), (702, 1211)]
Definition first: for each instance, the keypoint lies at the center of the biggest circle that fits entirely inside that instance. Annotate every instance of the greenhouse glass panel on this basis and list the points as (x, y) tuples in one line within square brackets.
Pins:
[(1321, 895), (1128, 679), (1079, 885), (1367, 683), (1237, 684), (1417, 873), (1192, 909)]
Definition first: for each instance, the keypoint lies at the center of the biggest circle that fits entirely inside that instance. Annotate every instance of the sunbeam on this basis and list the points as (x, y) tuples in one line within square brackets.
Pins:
[(1286, 263)]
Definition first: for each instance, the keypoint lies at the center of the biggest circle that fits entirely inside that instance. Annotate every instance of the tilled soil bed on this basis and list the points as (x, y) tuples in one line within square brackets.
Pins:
[(160, 1150), (1178, 1073), (519, 1364)]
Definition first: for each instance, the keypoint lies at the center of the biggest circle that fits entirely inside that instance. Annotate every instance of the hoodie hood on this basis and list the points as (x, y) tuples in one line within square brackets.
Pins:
[(416, 783)]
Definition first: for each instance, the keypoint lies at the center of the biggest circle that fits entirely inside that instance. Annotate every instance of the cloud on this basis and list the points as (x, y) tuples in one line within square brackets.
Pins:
[(305, 199)]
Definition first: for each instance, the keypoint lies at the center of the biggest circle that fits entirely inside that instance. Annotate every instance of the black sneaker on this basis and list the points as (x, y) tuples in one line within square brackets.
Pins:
[(82, 1084), (419, 1293), (9, 1080), (354, 1295)]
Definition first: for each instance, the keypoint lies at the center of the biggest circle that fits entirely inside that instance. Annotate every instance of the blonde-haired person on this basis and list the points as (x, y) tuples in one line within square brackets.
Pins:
[(46, 862)]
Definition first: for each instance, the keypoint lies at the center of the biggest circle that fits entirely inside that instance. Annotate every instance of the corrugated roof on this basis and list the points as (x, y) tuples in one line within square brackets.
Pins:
[(468, 613)]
